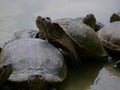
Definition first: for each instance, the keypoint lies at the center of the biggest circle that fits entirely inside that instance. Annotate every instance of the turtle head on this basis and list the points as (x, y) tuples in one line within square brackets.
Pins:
[(57, 35), (114, 17), (52, 31), (41, 24), (37, 82), (90, 20)]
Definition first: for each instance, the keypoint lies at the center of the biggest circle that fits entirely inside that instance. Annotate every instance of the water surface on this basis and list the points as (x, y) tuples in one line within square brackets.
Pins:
[(92, 76)]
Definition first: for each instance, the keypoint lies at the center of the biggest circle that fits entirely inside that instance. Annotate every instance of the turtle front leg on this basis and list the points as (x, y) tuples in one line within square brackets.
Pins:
[(5, 72)]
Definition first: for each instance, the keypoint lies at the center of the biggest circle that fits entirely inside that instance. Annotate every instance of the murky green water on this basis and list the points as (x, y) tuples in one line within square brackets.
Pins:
[(81, 78), (21, 14), (92, 76)]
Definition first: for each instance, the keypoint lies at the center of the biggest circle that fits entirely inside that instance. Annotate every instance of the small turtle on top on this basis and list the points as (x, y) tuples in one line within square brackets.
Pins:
[(28, 33), (34, 62), (114, 17), (76, 37), (91, 21)]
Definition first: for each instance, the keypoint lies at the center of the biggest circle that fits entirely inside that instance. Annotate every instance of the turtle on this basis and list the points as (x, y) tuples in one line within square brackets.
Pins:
[(109, 36), (34, 62), (90, 20), (25, 33), (98, 26), (28, 33), (77, 38), (114, 17)]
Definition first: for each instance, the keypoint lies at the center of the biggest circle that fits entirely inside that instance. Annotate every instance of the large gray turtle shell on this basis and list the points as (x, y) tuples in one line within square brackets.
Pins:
[(34, 57), (110, 35)]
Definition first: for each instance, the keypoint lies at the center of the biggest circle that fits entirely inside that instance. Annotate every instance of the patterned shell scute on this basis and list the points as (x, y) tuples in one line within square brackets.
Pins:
[(110, 35), (34, 57)]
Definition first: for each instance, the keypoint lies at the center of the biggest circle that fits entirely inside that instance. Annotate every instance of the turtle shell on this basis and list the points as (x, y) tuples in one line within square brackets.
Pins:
[(28, 33), (86, 37), (34, 59), (109, 35), (25, 33)]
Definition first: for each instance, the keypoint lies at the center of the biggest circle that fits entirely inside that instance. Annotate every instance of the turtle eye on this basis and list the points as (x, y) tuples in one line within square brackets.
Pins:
[(48, 18), (39, 18)]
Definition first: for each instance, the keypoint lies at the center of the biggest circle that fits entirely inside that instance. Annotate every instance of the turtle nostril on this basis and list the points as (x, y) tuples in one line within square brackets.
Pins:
[(48, 18), (36, 76)]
